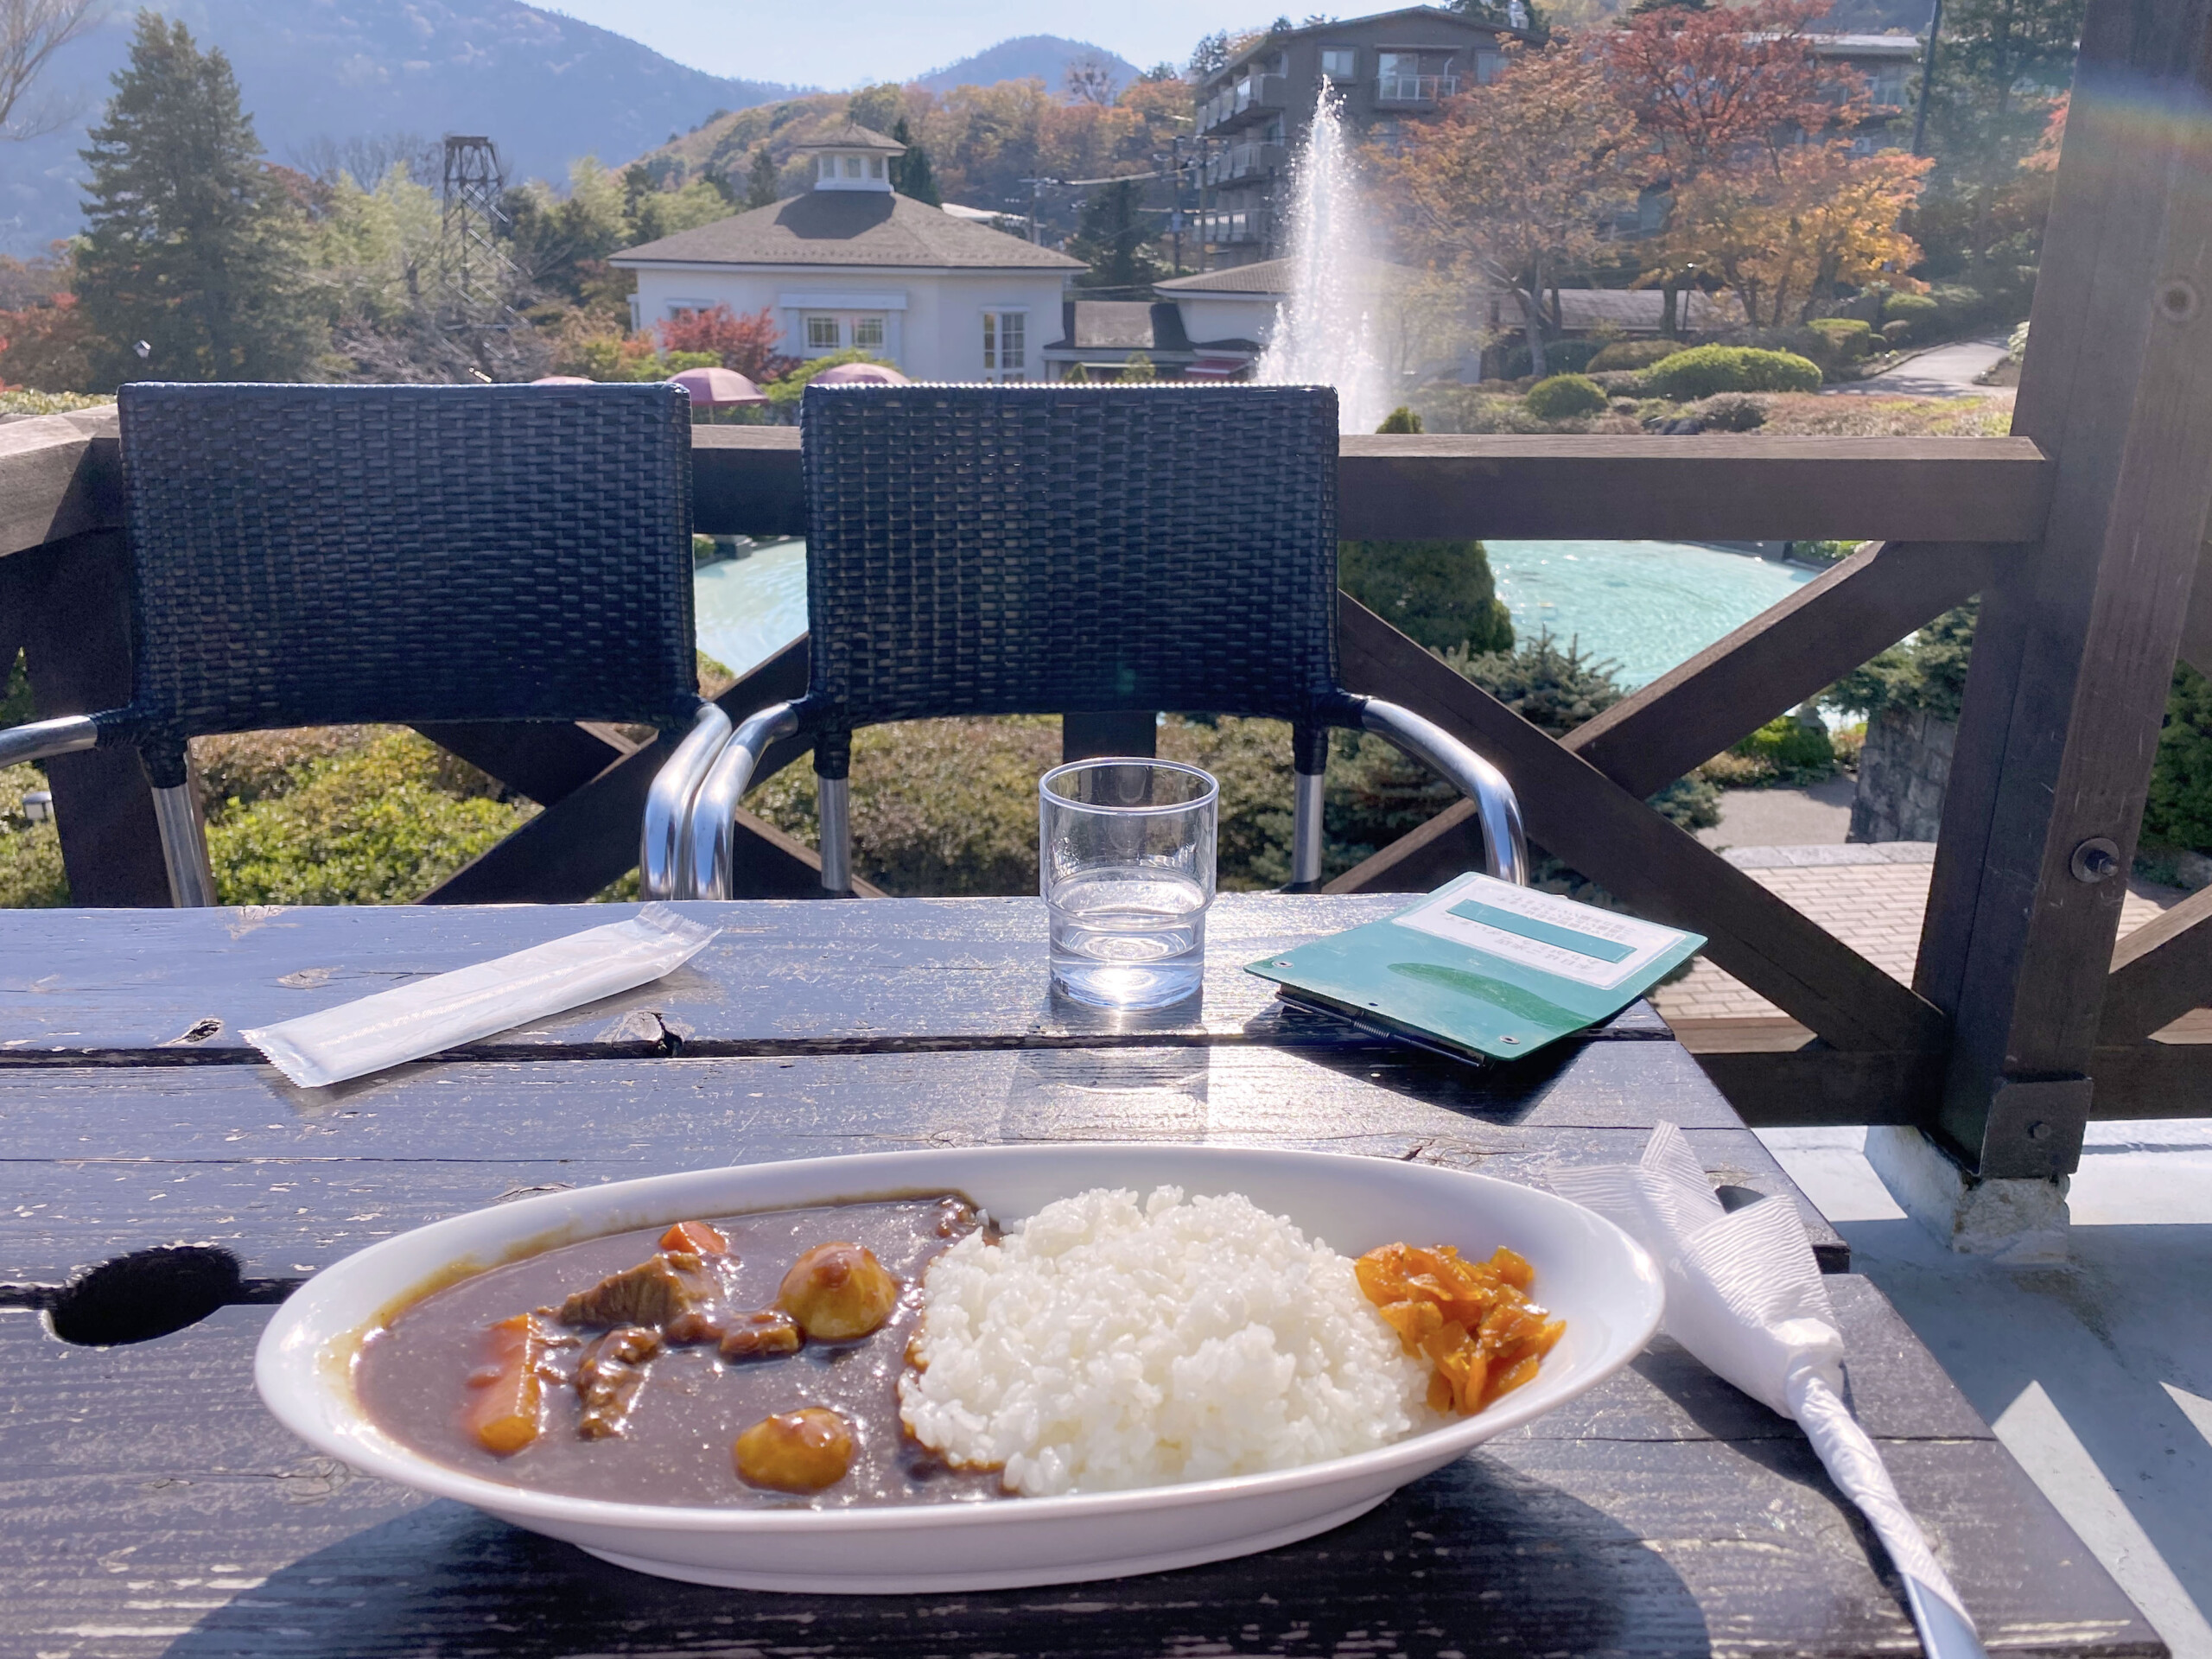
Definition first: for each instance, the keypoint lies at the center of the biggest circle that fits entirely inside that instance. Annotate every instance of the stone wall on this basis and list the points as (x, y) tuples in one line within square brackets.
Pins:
[(1901, 772)]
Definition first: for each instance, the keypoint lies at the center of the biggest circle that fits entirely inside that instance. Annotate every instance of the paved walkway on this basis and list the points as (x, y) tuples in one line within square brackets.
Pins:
[(1946, 371), (1873, 898), (1784, 817)]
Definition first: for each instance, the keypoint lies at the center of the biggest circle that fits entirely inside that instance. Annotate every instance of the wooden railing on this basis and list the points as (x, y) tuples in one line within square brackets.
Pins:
[(2084, 534)]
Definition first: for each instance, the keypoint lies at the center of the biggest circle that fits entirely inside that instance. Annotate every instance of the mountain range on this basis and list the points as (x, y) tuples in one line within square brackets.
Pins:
[(1041, 57), (548, 89)]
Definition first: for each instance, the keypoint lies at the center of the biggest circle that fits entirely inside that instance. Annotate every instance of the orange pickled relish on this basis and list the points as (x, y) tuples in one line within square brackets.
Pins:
[(1472, 1320), (696, 1237)]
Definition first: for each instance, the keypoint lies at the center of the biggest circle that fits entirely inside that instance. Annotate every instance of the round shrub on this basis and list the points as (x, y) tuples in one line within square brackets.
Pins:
[(1564, 397), (1793, 745), (1916, 311), (1705, 370), (1844, 338), (1731, 411), (1635, 355)]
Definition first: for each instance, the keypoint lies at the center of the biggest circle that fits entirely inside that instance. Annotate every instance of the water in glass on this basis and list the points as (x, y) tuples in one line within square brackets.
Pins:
[(1127, 868)]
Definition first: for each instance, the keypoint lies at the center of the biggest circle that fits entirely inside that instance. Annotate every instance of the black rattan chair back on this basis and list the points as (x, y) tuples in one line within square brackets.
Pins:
[(1058, 548), (311, 555)]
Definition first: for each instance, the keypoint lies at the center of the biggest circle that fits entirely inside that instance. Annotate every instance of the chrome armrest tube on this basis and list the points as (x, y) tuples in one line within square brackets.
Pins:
[(710, 834), (45, 738), (668, 803), (1505, 848)]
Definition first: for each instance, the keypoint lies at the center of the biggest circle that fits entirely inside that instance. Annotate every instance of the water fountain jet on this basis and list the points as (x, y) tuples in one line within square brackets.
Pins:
[(1325, 334)]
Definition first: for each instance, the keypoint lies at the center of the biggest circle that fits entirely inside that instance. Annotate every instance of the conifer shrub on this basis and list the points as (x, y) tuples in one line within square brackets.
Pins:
[(1566, 398), (1703, 370), (1634, 355)]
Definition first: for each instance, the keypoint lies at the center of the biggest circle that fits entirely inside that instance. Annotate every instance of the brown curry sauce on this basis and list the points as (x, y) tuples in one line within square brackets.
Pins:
[(683, 1409)]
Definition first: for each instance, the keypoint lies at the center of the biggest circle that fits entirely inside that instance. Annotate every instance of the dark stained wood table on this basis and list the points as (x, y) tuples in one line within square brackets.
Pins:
[(149, 1505)]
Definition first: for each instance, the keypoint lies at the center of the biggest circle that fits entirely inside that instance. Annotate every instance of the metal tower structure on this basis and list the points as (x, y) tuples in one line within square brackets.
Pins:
[(476, 275)]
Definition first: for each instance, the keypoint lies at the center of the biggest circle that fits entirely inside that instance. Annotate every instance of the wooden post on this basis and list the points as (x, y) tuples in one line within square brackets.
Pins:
[(1087, 737), (72, 602), (2077, 643)]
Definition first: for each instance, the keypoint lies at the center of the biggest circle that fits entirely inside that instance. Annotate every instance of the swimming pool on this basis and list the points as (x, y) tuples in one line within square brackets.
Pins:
[(1646, 605)]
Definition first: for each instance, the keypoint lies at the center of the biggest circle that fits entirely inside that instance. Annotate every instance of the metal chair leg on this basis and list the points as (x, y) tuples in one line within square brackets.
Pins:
[(1306, 839), (833, 799), (184, 848), (711, 837), (663, 872), (1505, 849)]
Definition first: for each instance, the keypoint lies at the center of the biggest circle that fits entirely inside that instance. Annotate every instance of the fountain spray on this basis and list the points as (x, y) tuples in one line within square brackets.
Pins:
[(1325, 334)]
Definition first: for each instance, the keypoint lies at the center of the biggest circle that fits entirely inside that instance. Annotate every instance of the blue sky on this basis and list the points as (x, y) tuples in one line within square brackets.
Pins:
[(854, 42)]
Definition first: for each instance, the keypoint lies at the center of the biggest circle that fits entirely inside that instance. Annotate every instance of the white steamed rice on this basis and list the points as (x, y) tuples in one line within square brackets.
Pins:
[(1105, 1345)]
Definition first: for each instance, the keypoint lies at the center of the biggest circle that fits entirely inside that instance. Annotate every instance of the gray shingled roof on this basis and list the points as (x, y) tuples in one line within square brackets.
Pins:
[(852, 136), (848, 227)]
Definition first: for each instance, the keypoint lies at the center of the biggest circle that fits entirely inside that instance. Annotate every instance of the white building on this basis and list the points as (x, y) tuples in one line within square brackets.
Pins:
[(851, 263)]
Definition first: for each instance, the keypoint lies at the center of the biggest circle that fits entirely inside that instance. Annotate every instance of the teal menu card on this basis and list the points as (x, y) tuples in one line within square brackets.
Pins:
[(1483, 967)]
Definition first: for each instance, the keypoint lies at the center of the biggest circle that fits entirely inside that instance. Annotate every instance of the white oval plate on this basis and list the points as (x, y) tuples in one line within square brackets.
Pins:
[(1588, 1271)]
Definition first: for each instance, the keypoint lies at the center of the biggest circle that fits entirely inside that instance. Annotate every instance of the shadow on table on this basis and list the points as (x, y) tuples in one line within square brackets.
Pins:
[(1473, 1557)]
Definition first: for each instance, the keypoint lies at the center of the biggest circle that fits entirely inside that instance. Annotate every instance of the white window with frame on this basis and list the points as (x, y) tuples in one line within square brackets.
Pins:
[(824, 334), (1340, 63), (868, 333), (1006, 346)]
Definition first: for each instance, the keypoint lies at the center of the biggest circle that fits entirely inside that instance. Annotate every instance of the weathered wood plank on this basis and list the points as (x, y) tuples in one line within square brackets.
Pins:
[(1584, 817), (547, 760), (2160, 972), (2062, 712), (1787, 653), (782, 977), (589, 838), (60, 475), (1721, 487), (1784, 655)]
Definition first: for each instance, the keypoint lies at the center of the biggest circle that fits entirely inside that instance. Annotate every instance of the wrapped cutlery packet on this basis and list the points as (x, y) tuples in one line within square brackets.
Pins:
[(1745, 1295), (430, 1015)]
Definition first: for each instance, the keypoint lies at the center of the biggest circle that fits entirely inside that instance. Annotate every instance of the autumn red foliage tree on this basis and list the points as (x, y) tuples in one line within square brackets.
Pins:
[(1513, 186), (746, 343)]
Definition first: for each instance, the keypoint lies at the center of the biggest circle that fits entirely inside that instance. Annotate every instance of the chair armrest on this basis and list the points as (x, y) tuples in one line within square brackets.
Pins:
[(48, 737), (709, 851), (1505, 849), (668, 803)]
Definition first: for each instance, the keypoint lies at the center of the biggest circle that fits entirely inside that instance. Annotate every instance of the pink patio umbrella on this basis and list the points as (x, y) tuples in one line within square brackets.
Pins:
[(718, 388), (563, 380), (860, 374)]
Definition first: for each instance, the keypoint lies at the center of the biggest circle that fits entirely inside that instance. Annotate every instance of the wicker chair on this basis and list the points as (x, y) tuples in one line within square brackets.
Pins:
[(1057, 550), (314, 556)]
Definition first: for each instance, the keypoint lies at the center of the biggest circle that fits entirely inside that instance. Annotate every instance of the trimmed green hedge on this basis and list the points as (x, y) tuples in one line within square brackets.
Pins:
[(1635, 355), (1843, 338), (1565, 397), (1704, 370)]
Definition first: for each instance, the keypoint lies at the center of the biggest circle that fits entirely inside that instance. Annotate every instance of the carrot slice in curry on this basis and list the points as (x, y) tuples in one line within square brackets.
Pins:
[(695, 1236), (507, 1408)]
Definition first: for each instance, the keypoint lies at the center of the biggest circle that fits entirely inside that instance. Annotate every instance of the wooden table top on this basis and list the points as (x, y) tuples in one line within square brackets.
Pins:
[(151, 1506)]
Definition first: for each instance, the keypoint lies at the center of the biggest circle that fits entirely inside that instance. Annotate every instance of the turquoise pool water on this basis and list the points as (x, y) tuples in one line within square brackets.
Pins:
[(1647, 605), (750, 607)]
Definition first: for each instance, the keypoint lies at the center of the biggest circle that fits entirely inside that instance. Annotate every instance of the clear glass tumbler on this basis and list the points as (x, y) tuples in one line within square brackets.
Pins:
[(1126, 853)]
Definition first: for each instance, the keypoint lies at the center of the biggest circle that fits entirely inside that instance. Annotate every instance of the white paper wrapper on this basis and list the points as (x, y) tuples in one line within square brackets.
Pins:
[(433, 1014), (1745, 1295)]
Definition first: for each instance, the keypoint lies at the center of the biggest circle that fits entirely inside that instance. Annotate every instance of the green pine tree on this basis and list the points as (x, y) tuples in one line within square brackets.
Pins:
[(192, 247), (910, 173), (760, 180), (1441, 595), (1113, 241)]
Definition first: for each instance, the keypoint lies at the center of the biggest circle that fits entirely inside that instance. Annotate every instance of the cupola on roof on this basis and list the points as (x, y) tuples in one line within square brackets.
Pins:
[(852, 158)]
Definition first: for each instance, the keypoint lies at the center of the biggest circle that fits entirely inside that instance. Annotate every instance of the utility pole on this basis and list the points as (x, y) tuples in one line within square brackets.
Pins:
[(1927, 79)]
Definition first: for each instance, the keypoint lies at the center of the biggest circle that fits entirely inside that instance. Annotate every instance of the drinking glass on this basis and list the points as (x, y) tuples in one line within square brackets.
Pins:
[(1126, 851)]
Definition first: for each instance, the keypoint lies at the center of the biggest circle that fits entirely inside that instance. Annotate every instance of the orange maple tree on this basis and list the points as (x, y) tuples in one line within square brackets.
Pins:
[(1514, 184)]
